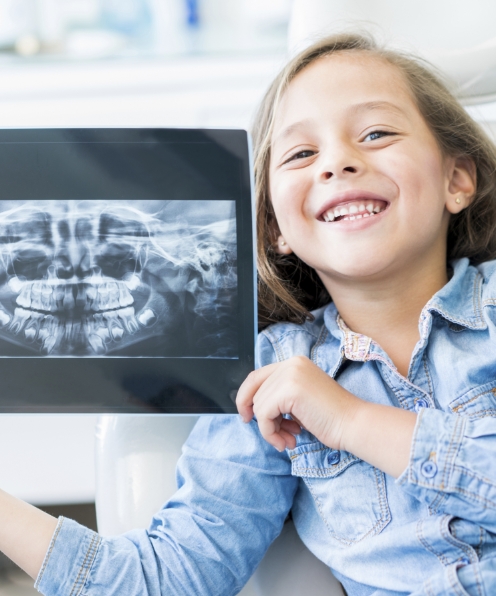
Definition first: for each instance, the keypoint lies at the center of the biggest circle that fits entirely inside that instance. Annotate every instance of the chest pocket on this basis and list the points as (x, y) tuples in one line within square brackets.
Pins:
[(476, 403), (349, 494)]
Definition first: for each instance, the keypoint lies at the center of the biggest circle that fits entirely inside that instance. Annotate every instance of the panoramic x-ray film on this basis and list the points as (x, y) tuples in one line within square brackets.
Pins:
[(99, 279), (126, 270)]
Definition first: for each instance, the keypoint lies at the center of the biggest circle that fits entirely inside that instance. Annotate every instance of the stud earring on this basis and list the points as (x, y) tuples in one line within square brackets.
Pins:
[(458, 200), (282, 243)]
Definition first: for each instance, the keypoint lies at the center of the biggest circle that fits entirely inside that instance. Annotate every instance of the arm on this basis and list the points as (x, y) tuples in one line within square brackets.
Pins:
[(25, 533), (206, 540), (443, 459), (380, 435)]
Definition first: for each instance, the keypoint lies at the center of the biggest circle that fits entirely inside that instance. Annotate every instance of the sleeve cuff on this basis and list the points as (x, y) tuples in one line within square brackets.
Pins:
[(68, 560), (436, 442)]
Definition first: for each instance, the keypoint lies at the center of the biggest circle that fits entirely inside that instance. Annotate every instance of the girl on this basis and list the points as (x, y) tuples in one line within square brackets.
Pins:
[(376, 189)]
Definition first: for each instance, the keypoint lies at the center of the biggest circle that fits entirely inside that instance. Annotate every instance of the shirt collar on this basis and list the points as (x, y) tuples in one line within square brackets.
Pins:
[(459, 302)]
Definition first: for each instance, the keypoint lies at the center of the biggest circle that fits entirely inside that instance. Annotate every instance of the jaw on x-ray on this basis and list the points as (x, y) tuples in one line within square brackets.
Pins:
[(118, 278)]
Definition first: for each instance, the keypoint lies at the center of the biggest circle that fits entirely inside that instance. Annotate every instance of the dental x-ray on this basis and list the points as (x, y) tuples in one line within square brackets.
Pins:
[(95, 278), (126, 257)]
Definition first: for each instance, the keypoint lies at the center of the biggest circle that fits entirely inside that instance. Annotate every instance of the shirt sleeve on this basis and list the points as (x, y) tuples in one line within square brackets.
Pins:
[(452, 466), (234, 493)]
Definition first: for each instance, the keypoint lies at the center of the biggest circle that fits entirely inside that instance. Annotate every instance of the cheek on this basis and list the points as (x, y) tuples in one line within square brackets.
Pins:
[(288, 196)]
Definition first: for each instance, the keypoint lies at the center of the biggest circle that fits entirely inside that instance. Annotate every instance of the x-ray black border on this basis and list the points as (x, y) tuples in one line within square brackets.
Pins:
[(215, 162)]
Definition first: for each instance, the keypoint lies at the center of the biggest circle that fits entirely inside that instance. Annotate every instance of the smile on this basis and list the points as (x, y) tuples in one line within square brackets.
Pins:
[(354, 210)]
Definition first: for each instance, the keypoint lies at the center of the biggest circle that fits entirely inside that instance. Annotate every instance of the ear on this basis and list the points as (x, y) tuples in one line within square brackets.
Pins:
[(462, 183), (282, 247)]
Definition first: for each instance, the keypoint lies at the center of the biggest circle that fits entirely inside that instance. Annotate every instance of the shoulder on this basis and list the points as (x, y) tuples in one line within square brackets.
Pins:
[(281, 341), (488, 272)]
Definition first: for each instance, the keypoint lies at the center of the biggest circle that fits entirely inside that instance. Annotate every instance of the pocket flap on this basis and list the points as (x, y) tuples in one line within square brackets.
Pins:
[(316, 460)]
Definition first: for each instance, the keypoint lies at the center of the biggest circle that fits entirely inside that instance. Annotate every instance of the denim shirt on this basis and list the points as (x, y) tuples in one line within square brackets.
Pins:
[(432, 531)]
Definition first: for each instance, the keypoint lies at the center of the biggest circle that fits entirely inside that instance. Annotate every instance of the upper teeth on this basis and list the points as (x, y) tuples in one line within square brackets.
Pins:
[(354, 210)]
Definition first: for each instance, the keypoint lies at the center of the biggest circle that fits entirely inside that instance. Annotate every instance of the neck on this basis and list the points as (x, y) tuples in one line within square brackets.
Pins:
[(388, 310)]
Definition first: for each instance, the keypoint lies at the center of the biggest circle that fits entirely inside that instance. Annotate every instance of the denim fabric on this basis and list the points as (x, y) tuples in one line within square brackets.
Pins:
[(430, 532)]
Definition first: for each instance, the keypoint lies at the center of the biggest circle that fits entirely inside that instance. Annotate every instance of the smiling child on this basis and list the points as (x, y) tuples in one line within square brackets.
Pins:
[(371, 415)]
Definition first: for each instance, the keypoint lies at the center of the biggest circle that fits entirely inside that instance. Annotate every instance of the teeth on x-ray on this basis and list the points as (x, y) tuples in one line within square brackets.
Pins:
[(89, 278)]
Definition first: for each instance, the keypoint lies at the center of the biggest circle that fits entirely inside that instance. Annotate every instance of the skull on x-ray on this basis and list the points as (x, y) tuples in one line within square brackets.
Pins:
[(88, 278)]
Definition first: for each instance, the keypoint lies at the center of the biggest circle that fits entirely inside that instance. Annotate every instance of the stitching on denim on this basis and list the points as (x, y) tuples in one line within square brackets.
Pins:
[(426, 545), (414, 445), (438, 501), (295, 455), (324, 472), (478, 295), (279, 351), (428, 589), (405, 383), (452, 450), (448, 536), (376, 528), (276, 342), (461, 320), (460, 406), (50, 549), (462, 491), (482, 479), (397, 392), (381, 490), (427, 374), (458, 589), (478, 579), (86, 566), (276, 338), (314, 357), (490, 412)]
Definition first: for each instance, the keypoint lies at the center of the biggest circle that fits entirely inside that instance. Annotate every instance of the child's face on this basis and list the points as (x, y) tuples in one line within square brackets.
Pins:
[(348, 139)]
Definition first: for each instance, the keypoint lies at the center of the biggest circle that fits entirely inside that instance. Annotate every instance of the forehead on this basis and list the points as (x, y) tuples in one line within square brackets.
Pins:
[(343, 80)]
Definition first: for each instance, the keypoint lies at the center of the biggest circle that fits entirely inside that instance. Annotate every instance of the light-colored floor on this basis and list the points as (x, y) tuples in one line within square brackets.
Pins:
[(14, 582)]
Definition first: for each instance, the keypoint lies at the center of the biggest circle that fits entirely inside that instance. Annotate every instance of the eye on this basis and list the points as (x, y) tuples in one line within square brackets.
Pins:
[(301, 155), (378, 134)]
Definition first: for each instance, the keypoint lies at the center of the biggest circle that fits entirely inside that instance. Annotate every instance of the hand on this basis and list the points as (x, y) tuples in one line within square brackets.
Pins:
[(300, 388)]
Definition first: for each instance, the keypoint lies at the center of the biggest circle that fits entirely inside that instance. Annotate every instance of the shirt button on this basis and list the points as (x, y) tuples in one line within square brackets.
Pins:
[(333, 457), (421, 403), (428, 469), (465, 560)]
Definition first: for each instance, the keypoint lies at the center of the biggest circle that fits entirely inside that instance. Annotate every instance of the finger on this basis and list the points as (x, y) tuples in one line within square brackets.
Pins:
[(270, 429), (288, 438), (291, 426), (248, 389)]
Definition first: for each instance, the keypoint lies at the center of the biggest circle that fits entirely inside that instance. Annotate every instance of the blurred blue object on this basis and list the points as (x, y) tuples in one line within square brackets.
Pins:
[(193, 16), (130, 17)]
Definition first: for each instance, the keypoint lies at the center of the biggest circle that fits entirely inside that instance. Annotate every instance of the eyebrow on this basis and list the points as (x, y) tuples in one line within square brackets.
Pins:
[(376, 105), (367, 106)]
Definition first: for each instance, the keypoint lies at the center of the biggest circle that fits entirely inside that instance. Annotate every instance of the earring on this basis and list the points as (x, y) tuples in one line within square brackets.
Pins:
[(282, 243), (458, 200)]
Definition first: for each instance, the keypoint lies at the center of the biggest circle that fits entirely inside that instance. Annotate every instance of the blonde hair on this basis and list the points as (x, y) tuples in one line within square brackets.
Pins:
[(288, 288)]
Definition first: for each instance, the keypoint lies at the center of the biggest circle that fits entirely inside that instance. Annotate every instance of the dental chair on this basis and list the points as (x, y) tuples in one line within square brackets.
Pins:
[(135, 474)]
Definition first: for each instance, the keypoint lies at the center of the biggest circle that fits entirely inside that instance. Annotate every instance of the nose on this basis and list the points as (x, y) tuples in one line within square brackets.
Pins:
[(72, 257), (340, 162)]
